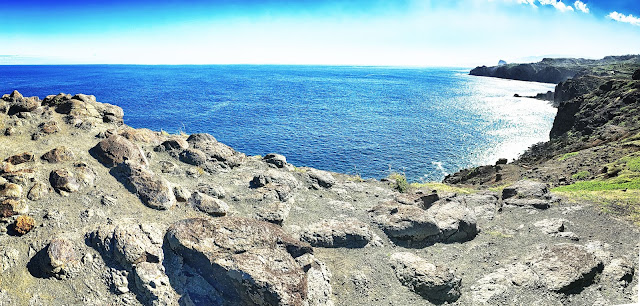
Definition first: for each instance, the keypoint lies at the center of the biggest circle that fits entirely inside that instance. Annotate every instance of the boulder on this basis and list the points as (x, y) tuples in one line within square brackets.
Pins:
[(10, 190), (274, 212), (250, 262), (18, 103), (216, 152), (212, 190), (38, 191), (153, 285), (319, 289), (274, 178), (141, 135), (49, 127), (117, 149), (456, 222), (193, 157), (405, 222), (60, 257), (172, 144), (564, 267), (348, 233), (57, 155), (129, 242), (434, 283), (555, 227), (527, 193), (63, 180), (277, 160), (321, 178), (54, 100), (492, 288), (210, 205), (152, 189), (618, 273), (20, 158), (11, 207)]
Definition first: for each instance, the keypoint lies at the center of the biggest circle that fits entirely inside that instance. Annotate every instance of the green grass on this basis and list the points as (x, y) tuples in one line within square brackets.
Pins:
[(401, 181), (618, 195), (582, 175), (568, 155)]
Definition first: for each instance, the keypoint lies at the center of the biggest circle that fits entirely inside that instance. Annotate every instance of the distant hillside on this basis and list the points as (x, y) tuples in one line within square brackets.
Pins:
[(555, 70)]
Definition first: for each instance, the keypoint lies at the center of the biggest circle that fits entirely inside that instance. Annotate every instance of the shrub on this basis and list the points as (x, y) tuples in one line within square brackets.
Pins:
[(582, 175)]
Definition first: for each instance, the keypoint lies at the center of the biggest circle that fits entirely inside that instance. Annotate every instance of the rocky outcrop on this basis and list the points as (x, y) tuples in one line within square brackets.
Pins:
[(116, 150), (250, 262), (435, 283), (527, 193), (349, 233)]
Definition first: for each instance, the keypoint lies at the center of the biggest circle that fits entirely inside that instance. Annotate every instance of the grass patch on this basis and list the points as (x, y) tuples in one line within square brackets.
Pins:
[(498, 189), (582, 175), (619, 195), (401, 181), (568, 155)]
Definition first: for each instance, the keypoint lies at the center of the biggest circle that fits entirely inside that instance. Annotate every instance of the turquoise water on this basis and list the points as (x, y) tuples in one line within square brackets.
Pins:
[(424, 122)]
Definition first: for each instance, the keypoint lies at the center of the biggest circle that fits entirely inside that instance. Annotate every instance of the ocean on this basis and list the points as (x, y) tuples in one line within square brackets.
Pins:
[(423, 122)]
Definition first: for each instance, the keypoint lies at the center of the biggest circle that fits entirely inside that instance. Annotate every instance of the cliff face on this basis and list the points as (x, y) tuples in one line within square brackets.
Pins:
[(551, 70)]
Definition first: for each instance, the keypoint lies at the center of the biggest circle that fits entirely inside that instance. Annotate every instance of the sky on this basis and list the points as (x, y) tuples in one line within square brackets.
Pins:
[(452, 33)]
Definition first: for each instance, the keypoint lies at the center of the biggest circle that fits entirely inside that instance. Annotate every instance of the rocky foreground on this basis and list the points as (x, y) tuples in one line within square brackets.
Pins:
[(94, 212)]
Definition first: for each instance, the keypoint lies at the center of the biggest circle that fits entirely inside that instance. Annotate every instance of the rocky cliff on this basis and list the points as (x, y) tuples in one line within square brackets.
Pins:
[(94, 212), (555, 70)]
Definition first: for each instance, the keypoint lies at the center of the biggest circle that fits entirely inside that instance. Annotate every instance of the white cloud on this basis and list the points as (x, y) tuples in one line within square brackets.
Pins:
[(581, 6), (559, 5), (530, 2), (624, 18)]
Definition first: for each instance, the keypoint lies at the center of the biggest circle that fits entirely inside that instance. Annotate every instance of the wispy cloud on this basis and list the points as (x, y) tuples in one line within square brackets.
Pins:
[(559, 5), (624, 18), (581, 6), (530, 2)]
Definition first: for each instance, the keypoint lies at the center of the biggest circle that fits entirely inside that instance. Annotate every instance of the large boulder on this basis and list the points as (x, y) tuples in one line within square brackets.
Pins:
[(57, 155), (332, 233), (564, 267), (527, 193), (18, 103), (152, 189), (64, 180), (321, 178), (277, 160), (59, 258), (250, 262), (20, 158), (457, 223), (117, 149), (435, 283), (218, 153), (405, 222), (208, 204)]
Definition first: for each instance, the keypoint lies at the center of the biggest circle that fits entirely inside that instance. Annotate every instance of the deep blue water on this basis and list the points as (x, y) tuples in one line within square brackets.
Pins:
[(424, 122)]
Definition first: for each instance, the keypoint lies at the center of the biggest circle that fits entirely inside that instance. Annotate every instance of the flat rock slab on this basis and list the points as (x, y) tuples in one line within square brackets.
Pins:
[(250, 262), (565, 267), (434, 283), (348, 233)]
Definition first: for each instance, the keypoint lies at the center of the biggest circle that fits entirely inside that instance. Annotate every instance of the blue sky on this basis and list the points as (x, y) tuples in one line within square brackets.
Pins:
[(356, 32)]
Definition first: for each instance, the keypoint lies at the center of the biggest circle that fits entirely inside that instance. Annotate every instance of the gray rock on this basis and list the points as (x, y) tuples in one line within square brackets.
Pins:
[(405, 222), (456, 222), (181, 193), (153, 284), (12, 207), (129, 242), (117, 149), (434, 283), (64, 180), (319, 289), (60, 258), (210, 205), (173, 144), (251, 262), (275, 178), (193, 157), (215, 191), (618, 273), (321, 178), (152, 189), (490, 288), (348, 233), (555, 227), (565, 267), (215, 151), (526, 189), (277, 160), (274, 212), (57, 155)]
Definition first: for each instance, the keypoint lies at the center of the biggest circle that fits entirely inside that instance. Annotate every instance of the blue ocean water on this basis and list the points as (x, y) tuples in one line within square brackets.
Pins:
[(424, 122)]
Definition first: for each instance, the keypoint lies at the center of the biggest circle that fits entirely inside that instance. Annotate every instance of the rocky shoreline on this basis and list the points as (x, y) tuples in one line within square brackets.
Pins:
[(96, 212)]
